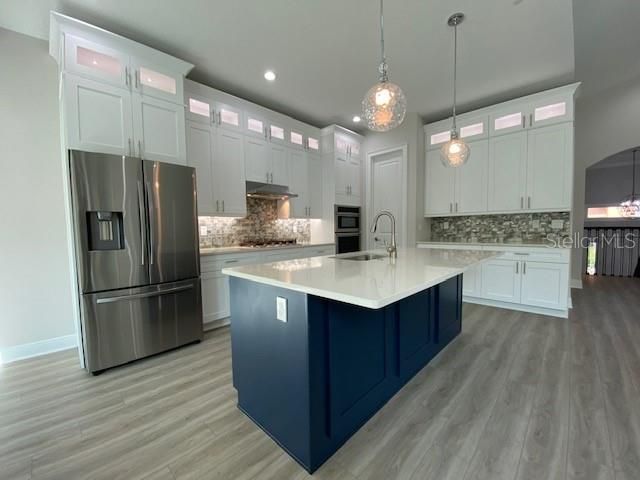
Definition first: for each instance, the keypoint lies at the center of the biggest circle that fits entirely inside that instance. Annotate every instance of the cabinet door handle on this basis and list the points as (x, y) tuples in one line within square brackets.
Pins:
[(140, 148), (531, 119), (524, 120), (130, 146), (267, 174), (137, 79), (213, 117), (517, 267), (456, 207), (521, 203), (223, 205), (450, 207), (217, 205), (126, 76), (271, 177), (528, 202), (524, 268)]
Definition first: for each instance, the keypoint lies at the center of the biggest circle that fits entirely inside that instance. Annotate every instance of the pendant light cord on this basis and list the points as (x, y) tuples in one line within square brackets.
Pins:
[(382, 69), (455, 72)]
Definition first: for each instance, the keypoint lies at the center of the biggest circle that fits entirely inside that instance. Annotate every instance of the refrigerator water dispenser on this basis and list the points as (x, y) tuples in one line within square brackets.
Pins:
[(105, 230)]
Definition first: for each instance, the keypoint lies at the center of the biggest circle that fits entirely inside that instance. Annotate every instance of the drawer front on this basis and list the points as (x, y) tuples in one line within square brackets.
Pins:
[(212, 263), (550, 255)]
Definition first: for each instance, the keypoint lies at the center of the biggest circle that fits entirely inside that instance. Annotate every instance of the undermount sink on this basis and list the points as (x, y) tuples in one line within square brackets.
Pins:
[(363, 257)]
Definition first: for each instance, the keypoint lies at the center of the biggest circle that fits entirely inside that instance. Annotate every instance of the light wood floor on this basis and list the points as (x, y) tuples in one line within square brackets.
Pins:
[(516, 396)]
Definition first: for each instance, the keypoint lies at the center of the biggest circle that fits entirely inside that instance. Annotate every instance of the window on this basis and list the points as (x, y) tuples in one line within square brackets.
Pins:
[(441, 137), (472, 130), (604, 212), (98, 61), (550, 111), (159, 81), (277, 132), (255, 125), (229, 117), (296, 138), (313, 143)]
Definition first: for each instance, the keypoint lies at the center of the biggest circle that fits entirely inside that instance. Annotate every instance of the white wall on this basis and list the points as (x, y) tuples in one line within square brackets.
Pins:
[(410, 133), (606, 123), (35, 294)]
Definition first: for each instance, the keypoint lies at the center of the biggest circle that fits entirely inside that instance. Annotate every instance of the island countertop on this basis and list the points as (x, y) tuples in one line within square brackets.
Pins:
[(372, 283)]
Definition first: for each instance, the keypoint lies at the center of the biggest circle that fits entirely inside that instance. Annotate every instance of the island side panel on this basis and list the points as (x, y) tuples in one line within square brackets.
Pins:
[(270, 363)]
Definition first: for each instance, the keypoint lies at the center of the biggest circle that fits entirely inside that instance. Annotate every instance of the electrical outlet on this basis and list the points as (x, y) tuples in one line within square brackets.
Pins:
[(557, 224), (203, 231), (535, 223), (445, 226), (281, 309)]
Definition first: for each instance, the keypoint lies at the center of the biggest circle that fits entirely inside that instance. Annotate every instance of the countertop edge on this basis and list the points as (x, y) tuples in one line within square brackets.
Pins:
[(211, 251)]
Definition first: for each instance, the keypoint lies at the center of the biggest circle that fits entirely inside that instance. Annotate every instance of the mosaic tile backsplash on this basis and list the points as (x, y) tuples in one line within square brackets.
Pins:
[(261, 223), (521, 227)]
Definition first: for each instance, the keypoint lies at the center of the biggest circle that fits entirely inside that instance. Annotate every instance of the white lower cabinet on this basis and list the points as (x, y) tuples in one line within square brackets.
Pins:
[(544, 284), (215, 285), (534, 279), (471, 281), (501, 280)]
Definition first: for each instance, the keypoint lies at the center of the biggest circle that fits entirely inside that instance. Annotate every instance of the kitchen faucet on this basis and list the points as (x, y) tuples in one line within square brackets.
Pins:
[(391, 249)]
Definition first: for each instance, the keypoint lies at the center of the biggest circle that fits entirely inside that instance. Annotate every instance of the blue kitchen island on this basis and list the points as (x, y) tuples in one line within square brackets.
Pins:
[(321, 344)]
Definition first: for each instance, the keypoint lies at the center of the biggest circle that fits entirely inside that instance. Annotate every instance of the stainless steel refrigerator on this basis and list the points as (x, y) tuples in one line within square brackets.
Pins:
[(137, 256)]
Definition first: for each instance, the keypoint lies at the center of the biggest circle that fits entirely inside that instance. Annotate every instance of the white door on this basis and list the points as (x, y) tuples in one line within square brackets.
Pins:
[(256, 160), (200, 156), (471, 180), (299, 176), (471, 282), (279, 164), (549, 172), (439, 186), (545, 284), (315, 185), (342, 170), (98, 117), (387, 193), (228, 173), (159, 130), (507, 172), (215, 296), (501, 280)]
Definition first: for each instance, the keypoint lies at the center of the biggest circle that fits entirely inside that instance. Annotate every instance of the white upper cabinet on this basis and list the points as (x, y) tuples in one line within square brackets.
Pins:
[(299, 178), (229, 174), (526, 165), (315, 185), (550, 167), (471, 180), (555, 109), (200, 150), (507, 172), (159, 130), (95, 60), (296, 139), (439, 186), (279, 165), (257, 160), (97, 117), (154, 81), (347, 171), (509, 118), (199, 109), (229, 117), (277, 133), (255, 125)]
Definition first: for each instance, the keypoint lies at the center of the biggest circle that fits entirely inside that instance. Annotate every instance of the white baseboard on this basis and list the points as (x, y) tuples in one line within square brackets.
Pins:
[(35, 349), (222, 322), (518, 307), (575, 283)]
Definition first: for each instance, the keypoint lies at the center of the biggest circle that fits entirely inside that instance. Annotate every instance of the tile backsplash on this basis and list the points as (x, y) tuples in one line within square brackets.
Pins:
[(261, 223), (521, 227)]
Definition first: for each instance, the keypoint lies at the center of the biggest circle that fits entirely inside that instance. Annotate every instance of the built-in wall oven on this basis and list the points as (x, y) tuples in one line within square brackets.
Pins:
[(347, 228)]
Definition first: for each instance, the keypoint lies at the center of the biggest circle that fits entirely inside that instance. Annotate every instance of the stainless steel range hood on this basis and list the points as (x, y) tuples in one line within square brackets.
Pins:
[(269, 191)]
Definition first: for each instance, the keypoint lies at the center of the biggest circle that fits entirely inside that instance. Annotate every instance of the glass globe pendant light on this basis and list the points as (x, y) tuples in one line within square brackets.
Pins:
[(384, 106), (455, 152), (630, 206)]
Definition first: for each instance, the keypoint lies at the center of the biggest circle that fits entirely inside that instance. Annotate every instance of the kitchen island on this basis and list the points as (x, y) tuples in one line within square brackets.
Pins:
[(320, 344)]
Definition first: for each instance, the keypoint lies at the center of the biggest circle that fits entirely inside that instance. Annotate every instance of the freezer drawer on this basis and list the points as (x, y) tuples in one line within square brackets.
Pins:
[(124, 325)]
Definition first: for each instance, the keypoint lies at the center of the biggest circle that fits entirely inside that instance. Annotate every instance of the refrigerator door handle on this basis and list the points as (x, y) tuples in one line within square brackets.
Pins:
[(150, 213), (134, 296), (143, 221)]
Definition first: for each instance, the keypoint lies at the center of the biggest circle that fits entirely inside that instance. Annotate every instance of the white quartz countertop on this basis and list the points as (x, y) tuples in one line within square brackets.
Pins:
[(492, 244), (238, 249), (373, 283)]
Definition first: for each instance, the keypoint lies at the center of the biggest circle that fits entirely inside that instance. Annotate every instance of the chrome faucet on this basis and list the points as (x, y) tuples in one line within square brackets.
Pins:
[(391, 249)]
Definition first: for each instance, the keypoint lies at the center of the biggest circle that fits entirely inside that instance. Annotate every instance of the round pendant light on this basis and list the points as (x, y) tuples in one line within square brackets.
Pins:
[(384, 106), (630, 206), (455, 152)]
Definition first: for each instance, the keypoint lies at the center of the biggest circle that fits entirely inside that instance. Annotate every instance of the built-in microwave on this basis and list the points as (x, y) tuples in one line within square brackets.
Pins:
[(347, 219), (347, 228)]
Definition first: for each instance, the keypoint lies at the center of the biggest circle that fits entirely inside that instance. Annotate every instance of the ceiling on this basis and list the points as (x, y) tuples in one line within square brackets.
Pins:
[(326, 52)]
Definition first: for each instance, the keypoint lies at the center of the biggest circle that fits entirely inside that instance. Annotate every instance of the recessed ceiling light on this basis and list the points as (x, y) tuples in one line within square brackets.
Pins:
[(356, 119), (270, 75)]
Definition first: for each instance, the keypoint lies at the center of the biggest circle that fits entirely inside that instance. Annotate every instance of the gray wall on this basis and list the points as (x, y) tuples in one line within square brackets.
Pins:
[(35, 292), (410, 133), (609, 185), (606, 123)]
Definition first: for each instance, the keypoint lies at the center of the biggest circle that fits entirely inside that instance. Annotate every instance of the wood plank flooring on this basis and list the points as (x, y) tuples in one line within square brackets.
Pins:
[(516, 396)]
